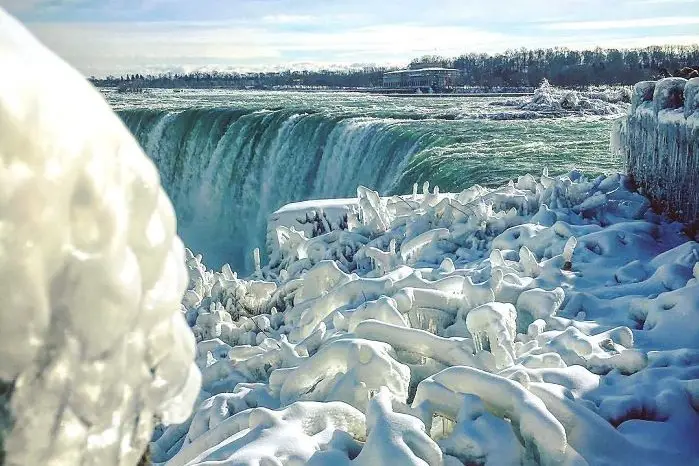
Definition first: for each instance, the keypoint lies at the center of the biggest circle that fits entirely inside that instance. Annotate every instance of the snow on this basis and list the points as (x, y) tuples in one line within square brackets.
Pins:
[(553, 320), (304, 216), (93, 343), (543, 437)]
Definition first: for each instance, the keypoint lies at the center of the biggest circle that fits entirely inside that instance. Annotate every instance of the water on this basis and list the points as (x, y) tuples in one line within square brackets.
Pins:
[(230, 158)]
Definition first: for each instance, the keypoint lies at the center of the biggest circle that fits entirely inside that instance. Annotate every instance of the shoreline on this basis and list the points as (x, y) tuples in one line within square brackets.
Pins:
[(378, 91)]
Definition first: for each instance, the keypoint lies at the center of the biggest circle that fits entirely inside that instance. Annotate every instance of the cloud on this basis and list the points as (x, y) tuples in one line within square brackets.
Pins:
[(19, 6), (104, 48), (660, 2), (669, 21), (289, 19), (98, 48), (117, 36)]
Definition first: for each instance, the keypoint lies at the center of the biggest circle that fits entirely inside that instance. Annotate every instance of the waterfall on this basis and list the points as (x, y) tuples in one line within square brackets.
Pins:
[(226, 170)]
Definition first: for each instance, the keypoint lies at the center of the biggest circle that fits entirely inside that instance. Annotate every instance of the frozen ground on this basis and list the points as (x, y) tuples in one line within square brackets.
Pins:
[(550, 321)]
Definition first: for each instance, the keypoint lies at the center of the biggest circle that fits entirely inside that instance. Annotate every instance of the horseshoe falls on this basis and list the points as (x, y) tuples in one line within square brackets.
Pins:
[(228, 159)]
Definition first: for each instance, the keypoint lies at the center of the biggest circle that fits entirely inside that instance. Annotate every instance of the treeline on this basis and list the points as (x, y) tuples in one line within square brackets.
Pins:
[(561, 66), (350, 78), (564, 67)]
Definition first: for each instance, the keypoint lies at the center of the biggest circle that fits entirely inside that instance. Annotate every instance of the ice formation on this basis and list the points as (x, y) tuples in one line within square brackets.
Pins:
[(553, 320), (93, 345), (550, 101), (660, 142)]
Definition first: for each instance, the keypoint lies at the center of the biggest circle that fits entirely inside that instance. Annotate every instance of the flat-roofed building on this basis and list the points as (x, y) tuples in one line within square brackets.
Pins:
[(436, 78)]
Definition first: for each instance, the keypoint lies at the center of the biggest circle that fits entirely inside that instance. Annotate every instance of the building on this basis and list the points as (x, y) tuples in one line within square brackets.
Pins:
[(436, 78)]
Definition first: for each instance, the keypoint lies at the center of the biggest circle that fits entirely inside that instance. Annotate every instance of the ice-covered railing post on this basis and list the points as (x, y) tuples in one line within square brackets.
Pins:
[(660, 142), (93, 345)]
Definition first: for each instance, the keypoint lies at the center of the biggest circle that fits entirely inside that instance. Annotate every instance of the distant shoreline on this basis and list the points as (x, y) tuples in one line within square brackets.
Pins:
[(377, 91), (460, 95)]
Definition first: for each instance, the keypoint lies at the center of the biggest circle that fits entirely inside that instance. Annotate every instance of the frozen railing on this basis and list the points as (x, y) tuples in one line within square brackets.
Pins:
[(660, 141)]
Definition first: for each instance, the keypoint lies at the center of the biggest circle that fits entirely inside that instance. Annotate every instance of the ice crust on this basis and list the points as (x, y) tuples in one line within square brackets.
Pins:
[(553, 320), (660, 142), (93, 345)]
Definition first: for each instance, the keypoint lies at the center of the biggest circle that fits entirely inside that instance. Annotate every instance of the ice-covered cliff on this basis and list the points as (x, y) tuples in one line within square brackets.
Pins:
[(660, 141), (93, 346)]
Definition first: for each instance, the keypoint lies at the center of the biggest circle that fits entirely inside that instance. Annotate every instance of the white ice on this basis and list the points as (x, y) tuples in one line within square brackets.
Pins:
[(550, 101), (659, 141), (554, 320), (93, 345)]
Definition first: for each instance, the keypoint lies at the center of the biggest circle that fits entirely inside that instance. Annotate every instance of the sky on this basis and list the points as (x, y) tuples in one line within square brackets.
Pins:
[(102, 37)]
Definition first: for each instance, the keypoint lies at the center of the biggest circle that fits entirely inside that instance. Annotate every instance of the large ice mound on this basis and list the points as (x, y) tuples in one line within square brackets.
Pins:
[(554, 320), (92, 344), (552, 102)]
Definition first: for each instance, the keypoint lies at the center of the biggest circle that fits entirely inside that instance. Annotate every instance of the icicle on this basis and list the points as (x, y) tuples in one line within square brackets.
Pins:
[(478, 342), (496, 280), (527, 260), (568, 250), (227, 272), (256, 258), (426, 187), (414, 190), (496, 259)]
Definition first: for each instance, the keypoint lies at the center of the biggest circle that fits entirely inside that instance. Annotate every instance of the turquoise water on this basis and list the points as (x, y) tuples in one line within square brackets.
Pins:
[(230, 158)]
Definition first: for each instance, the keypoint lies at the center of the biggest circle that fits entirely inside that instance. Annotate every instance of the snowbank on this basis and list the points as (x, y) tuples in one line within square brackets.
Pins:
[(660, 142), (553, 320), (93, 342)]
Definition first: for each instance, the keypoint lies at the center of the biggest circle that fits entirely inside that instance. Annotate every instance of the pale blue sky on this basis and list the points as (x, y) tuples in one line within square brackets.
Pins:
[(119, 36)]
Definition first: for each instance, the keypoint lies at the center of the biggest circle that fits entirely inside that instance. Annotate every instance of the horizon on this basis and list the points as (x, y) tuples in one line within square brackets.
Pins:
[(117, 37)]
